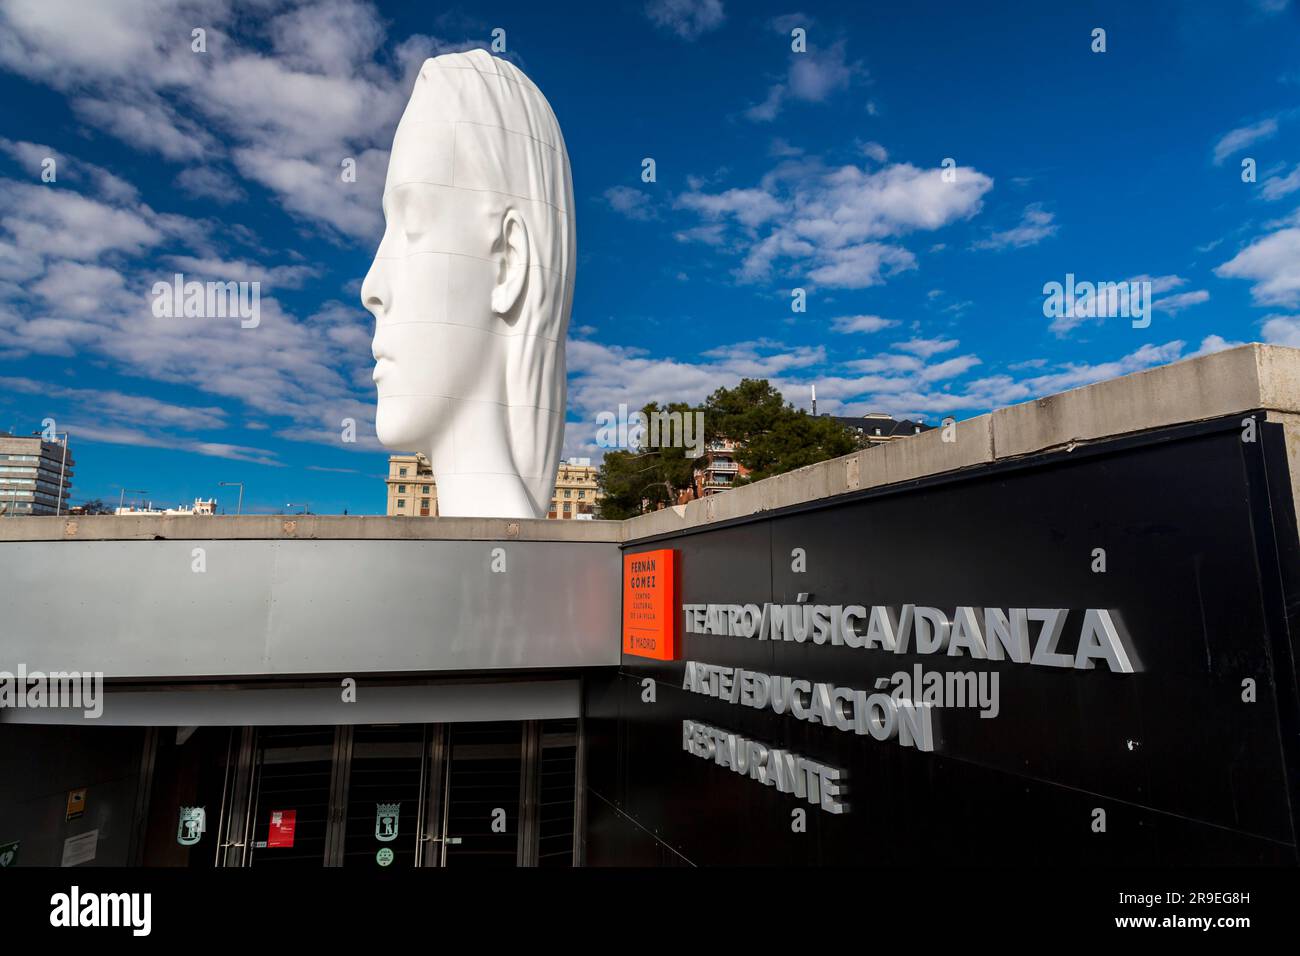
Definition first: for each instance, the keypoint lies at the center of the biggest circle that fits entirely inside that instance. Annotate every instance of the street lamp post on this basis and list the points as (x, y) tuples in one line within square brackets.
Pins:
[(239, 508), (63, 466), (122, 496)]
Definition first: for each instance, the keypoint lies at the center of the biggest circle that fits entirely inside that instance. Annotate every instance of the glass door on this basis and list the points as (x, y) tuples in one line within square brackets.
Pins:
[(187, 795), (293, 786), (481, 817), (499, 793), (385, 795)]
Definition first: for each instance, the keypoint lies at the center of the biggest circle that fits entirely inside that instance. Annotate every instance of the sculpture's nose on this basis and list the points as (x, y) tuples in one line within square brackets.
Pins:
[(375, 294)]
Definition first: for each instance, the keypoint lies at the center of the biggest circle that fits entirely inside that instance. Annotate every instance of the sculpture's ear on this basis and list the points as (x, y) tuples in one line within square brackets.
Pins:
[(512, 268)]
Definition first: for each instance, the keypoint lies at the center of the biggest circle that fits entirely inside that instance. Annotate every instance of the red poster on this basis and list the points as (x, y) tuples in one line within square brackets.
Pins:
[(282, 824), (649, 604)]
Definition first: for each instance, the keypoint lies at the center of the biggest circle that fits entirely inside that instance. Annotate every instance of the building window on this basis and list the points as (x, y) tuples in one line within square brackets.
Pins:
[(581, 493), (401, 473), (567, 506), (568, 493), (426, 490), (401, 502), (401, 489)]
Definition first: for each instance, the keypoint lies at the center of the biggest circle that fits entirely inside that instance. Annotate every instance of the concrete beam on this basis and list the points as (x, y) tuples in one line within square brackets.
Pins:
[(301, 527), (1244, 379)]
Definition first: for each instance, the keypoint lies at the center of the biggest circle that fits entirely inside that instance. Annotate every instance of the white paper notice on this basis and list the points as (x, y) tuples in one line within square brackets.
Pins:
[(80, 848)]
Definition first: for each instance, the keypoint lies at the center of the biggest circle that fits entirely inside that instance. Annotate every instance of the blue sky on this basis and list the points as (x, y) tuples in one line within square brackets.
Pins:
[(774, 170)]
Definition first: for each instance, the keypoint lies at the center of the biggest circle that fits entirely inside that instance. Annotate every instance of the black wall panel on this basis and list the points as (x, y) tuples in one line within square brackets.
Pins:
[(1186, 771)]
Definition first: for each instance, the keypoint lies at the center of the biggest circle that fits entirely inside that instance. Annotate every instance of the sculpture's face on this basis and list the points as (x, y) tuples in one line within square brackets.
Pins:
[(472, 284), (430, 290)]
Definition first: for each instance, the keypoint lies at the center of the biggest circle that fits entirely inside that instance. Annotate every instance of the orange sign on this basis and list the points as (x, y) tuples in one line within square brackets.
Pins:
[(649, 604)]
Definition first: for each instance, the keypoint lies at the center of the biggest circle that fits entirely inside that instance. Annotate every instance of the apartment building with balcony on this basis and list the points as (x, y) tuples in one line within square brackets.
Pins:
[(721, 468), (576, 490), (411, 490), (35, 475)]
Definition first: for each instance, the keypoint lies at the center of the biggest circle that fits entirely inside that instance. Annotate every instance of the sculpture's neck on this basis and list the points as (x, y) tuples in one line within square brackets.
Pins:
[(483, 496)]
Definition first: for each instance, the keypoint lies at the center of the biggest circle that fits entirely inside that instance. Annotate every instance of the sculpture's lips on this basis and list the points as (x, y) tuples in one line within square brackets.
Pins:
[(382, 363)]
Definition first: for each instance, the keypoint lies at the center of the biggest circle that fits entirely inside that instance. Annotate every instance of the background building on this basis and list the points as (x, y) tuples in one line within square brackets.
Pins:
[(721, 469), (201, 506), (35, 475), (879, 428), (412, 492), (576, 491)]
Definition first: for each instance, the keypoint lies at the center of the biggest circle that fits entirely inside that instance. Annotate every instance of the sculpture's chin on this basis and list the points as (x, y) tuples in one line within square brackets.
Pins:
[(395, 427)]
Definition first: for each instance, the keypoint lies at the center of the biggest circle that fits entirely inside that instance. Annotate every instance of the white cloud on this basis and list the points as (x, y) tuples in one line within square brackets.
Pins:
[(1173, 304), (121, 407), (1282, 330), (632, 203), (928, 347), (147, 122), (1243, 137), (689, 19), (1125, 298), (782, 148), (949, 368), (36, 158), (1276, 187), (284, 102), (764, 357), (861, 323), (1273, 263), (829, 223), (1035, 226), (96, 431), (209, 182), (909, 387), (84, 287), (1214, 343), (117, 418), (875, 151), (886, 362), (225, 270), (749, 207), (712, 234), (815, 75), (811, 78), (46, 220), (767, 109), (1159, 284), (860, 266), (999, 390)]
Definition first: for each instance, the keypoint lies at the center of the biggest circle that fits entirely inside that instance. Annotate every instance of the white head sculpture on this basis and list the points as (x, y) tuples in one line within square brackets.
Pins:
[(472, 284)]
